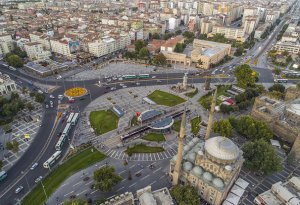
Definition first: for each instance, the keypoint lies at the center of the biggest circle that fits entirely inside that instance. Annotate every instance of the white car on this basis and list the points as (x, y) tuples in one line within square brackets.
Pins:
[(124, 86), (46, 106), (153, 76), (19, 189), (34, 166), (60, 97), (138, 83), (37, 180), (52, 97), (41, 92), (121, 84), (51, 102), (58, 77), (113, 88)]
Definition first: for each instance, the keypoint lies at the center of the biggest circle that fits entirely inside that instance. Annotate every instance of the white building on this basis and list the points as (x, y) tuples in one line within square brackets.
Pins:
[(35, 51), (7, 85), (291, 47), (6, 44), (173, 23), (250, 24), (230, 32), (41, 38)]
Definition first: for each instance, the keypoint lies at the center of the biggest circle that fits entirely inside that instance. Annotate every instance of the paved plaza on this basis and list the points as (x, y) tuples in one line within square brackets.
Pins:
[(20, 128)]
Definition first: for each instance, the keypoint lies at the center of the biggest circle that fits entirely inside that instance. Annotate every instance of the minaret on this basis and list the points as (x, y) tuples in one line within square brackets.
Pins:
[(177, 169), (184, 82), (211, 115)]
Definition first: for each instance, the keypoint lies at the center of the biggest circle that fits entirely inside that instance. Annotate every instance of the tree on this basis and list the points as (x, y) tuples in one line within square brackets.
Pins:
[(15, 61), (105, 178), (139, 44), (18, 51), (277, 87), (276, 71), (223, 127), (178, 32), (76, 202), (226, 109), (160, 59), (13, 146), (185, 195), (39, 98), (155, 36), (30, 107), (179, 48), (245, 76), (24, 90), (7, 128), (144, 53), (188, 34), (253, 129), (239, 51), (1, 164), (261, 157)]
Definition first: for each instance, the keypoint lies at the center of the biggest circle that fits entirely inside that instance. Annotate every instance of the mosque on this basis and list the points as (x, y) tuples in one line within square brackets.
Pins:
[(211, 165)]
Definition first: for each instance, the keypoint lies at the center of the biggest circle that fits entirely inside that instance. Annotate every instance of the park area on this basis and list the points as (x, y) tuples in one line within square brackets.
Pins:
[(75, 92), (156, 137), (80, 161), (103, 121), (164, 98), (142, 148), (206, 100), (195, 124)]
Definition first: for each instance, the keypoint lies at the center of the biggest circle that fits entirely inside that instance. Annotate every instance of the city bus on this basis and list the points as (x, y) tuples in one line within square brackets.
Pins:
[(75, 119), (52, 159), (280, 80), (144, 76), (67, 129), (70, 117), (60, 142), (3, 175), (129, 76)]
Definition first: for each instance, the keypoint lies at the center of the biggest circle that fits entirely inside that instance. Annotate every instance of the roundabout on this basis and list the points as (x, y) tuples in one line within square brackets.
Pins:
[(75, 92)]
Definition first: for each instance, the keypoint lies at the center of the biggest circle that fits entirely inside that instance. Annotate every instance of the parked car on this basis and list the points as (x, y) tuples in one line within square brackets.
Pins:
[(51, 96), (19, 189), (60, 97), (34, 166), (58, 77), (37, 180)]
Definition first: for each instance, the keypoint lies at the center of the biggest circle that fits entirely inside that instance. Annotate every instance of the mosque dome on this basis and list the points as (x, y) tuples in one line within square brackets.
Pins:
[(186, 148), (221, 148), (218, 183), (191, 157), (197, 171), (207, 176), (187, 166)]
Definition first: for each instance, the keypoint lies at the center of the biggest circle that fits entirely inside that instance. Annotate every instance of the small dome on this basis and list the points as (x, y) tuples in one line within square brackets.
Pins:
[(197, 171), (187, 166), (228, 168), (218, 183), (221, 148), (191, 157), (200, 153), (186, 148), (207, 176)]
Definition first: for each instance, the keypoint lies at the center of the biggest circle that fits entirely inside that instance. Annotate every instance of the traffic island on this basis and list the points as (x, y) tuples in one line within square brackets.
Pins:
[(103, 121), (164, 98), (142, 148), (156, 137), (80, 161), (75, 92)]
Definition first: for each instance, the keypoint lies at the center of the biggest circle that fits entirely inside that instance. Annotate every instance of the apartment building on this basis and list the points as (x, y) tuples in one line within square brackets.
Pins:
[(41, 38), (230, 32), (293, 48), (6, 44), (170, 44), (209, 52), (206, 27), (250, 24), (64, 46), (35, 51), (7, 85)]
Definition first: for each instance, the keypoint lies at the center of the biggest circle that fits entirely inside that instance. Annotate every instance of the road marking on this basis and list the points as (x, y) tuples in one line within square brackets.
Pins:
[(68, 193), (161, 177), (120, 188), (138, 171), (122, 171), (64, 184), (89, 183), (77, 184), (152, 183), (94, 191), (132, 166), (145, 177), (157, 170), (132, 184), (82, 192)]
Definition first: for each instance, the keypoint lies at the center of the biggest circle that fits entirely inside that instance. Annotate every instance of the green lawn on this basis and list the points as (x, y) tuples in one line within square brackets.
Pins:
[(103, 121), (80, 161), (205, 100), (163, 98), (154, 137), (142, 148), (176, 125), (195, 124), (192, 94)]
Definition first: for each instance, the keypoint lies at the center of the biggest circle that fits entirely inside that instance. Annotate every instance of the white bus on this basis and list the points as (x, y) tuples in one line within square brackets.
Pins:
[(60, 142), (52, 159), (67, 129), (280, 80), (75, 119), (70, 117)]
